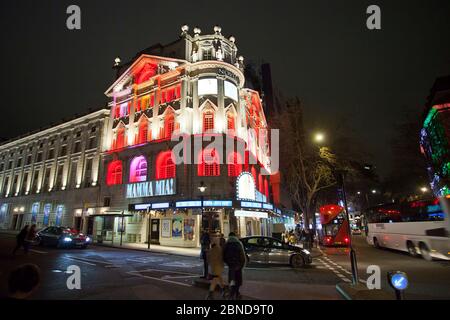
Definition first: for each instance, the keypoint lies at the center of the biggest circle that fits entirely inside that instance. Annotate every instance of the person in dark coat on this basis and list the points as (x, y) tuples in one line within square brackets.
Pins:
[(31, 235), (20, 239), (234, 257), (205, 242)]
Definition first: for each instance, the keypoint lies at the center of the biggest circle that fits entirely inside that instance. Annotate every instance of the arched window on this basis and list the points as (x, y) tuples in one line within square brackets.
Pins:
[(138, 169), (143, 130), (208, 163), (120, 138), (165, 165), (230, 122), (114, 173), (234, 164), (208, 120), (169, 125)]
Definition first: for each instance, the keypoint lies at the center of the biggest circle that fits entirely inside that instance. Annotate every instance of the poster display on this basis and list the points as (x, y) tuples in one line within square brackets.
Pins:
[(47, 209), (165, 228), (59, 212), (34, 212), (177, 227), (189, 227)]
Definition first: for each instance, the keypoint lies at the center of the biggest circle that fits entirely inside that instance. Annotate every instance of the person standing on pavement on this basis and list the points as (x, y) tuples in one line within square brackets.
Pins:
[(215, 259), (20, 239), (205, 242), (31, 235), (234, 257)]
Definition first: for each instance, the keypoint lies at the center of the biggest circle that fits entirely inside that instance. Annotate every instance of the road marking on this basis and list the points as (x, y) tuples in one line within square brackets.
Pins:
[(341, 268), (181, 264), (37, 251), (163, 270), (180, 277), (146, 259), (69, 258), (136, 273), (90, 260)]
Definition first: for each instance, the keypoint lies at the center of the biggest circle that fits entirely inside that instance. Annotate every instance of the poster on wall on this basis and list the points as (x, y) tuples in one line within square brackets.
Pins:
[(3, 210), (59, 212), (47, 209), (165, 228), (121, 225), (34, 212), (177, 227), (189, 225)]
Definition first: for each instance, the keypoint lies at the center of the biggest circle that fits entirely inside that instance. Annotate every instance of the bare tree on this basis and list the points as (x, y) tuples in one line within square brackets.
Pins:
[(306, 168)]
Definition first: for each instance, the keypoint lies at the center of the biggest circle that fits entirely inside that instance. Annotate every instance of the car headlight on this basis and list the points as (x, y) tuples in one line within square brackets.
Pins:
[(67, 239), (306, 251), (88, 239)]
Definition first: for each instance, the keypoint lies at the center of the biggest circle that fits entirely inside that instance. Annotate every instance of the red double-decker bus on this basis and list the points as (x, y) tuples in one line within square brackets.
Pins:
[(335, 228)]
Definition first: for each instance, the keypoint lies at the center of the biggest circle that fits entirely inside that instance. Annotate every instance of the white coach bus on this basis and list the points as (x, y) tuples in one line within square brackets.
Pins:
[(418, 227)]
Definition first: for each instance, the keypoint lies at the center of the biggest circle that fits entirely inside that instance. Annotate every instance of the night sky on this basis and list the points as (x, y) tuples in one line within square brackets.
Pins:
[(319, 50)]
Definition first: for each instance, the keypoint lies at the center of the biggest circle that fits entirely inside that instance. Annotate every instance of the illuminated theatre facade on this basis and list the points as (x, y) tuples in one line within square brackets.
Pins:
[(192, 91)]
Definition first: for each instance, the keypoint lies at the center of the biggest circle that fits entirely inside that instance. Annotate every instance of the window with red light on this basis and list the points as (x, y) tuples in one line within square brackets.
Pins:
[(114, 173), (260, 183), (230, 122), (234, 164), (165, 166), (143, 130), (120, 138), (266, 189), (138, 169), (208, 120), (169, 125), (209, 163), (253, 171), (117, 111)]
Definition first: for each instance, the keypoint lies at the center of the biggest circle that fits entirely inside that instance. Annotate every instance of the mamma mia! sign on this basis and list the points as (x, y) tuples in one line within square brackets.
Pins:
[(152, 188)]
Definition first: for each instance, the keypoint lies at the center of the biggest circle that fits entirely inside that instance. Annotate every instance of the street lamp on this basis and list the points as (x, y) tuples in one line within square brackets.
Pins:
[(424, 189), (202, 189), (374, 191), (319, 137)]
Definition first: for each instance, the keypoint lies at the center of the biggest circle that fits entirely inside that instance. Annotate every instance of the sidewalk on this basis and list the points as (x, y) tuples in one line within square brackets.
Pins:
[(188, 252)]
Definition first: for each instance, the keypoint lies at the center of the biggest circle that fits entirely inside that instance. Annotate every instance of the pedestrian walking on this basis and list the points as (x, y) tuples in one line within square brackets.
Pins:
[(20, 239), (29, 239), (234, 257), (205, 242), (215, 259)]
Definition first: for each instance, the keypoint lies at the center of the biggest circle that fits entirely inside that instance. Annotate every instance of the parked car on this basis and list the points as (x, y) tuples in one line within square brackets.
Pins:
[(356, 231), (269, 250), (62, 237)]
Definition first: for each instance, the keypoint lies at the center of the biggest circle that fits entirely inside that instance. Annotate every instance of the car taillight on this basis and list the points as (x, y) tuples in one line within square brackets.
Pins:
[(346, 240)]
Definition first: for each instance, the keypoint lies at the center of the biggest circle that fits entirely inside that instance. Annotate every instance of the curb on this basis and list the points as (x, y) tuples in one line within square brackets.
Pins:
[(360, 292)]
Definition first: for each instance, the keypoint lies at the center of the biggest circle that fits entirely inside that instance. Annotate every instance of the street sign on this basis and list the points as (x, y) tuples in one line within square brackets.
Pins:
[(399, 280)]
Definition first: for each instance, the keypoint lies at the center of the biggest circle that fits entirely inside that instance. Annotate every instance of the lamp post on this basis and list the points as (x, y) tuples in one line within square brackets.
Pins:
[(149, 228), (202, 189), (340, 175), (354, 265)]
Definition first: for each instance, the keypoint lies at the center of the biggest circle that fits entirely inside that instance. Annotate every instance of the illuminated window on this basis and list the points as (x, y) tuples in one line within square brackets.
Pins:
[(253, 171), (209, 163), (143, 130), (230, 122), (266, 189), (169, 125), (165, 166), (138, 169), (114, 173), (234, 164), (208, 120), (230, 90), (207, 86), (120, 138), (260, 183)]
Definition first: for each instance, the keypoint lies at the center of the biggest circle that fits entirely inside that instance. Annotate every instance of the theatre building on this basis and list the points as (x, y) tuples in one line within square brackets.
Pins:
[(190, 94), (50, 177)]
